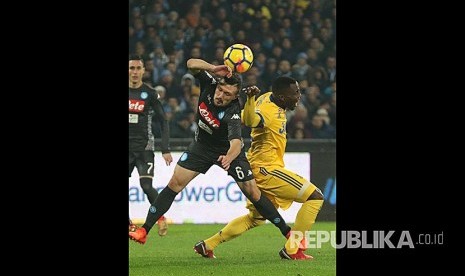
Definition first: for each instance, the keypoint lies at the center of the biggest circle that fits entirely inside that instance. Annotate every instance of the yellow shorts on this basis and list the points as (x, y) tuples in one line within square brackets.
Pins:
[(282, 187)]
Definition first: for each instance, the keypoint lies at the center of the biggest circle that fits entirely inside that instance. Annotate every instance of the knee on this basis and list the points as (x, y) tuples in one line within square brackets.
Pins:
[(175, 184)]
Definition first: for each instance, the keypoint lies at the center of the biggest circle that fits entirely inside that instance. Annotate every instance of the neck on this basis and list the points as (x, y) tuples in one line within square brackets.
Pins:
[(277, 102), (135, 84)]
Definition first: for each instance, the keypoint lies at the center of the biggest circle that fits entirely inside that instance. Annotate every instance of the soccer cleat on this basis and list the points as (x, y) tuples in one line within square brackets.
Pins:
[(299, 255), (140, 235), (162, 226), (201, 249)]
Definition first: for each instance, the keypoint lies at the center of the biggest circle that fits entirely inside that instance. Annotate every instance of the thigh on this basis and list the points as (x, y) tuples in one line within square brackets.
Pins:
[(197, 159), (284, 185), (240, 168), (180, 178), (145, 163)]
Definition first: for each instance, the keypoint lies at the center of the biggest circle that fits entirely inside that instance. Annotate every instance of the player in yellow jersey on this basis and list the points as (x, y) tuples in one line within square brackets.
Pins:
[(267, 117)]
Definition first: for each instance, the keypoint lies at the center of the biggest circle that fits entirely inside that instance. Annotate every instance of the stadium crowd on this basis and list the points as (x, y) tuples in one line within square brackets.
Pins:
[(295, 38)]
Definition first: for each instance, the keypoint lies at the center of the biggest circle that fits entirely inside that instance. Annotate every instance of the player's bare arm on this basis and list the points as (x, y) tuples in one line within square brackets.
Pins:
[(249, 117), (233, 152), (195, 65)]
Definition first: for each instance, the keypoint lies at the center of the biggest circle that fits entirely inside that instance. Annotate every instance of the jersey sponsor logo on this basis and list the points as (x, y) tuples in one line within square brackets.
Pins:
[(208, 116), (203, 126), (136, 106), (144, 95), (236, 116)]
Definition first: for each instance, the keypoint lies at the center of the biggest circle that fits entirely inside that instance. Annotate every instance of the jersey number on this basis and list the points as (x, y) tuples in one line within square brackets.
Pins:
[(240, 173), (150, 167)]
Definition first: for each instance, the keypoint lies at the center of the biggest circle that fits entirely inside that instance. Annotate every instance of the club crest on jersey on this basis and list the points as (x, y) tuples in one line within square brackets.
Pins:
[(184, 156), (136, 106), (144, 95), (221, 115), (208, 116)]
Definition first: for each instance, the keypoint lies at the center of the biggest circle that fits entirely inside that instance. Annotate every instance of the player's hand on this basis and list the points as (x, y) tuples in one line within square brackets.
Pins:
[(251, 91), (222, 70), (168, 158), (225, 161)]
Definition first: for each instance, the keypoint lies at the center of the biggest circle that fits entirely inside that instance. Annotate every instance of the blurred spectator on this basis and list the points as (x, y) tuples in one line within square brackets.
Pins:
[(329, 90), (270, 74), (312, 101), (173, 90), (319, 129), (299, 119), (161, 94), (331, 68), (317, 76), (295, 38), (181, 126), (284, 68), (301, 68)]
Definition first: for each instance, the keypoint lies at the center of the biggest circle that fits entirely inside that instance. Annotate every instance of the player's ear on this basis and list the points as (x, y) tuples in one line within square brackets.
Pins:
[(237, 94)]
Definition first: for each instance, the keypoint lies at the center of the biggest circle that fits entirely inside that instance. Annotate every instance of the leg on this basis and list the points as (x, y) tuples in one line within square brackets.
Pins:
[(241, 172), (132, 164), (287, 187), (264, 205), (145, 164), (181, 177), (146, 168), (233, 229), (304, 221)]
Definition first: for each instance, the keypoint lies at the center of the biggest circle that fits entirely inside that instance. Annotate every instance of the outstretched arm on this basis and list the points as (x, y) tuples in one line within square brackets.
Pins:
[(195, 65), (249, 117)]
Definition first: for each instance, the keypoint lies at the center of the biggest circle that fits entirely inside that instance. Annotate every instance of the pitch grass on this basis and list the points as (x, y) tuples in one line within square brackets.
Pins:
[(253, 253)]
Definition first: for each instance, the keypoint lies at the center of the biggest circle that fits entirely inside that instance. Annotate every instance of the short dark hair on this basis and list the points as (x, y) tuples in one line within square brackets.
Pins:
[(235, 80), (281, 84), (136, 57)]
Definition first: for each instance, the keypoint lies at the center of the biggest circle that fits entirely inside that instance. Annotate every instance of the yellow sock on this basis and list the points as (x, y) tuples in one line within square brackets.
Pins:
[(233, 229), (305, 219)]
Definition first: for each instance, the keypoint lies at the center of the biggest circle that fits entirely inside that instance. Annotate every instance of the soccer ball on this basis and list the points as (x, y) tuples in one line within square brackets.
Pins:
[(238, 57)]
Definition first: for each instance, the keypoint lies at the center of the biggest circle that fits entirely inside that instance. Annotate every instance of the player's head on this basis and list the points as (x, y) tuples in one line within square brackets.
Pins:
[(136, 70), (286, 92), (227, 90)]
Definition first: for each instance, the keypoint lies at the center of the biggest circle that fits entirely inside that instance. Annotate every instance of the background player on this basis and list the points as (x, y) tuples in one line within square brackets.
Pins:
[(144, 108)]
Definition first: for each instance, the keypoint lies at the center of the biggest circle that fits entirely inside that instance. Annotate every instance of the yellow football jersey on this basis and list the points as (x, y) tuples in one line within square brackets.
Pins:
[(269, 141)]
